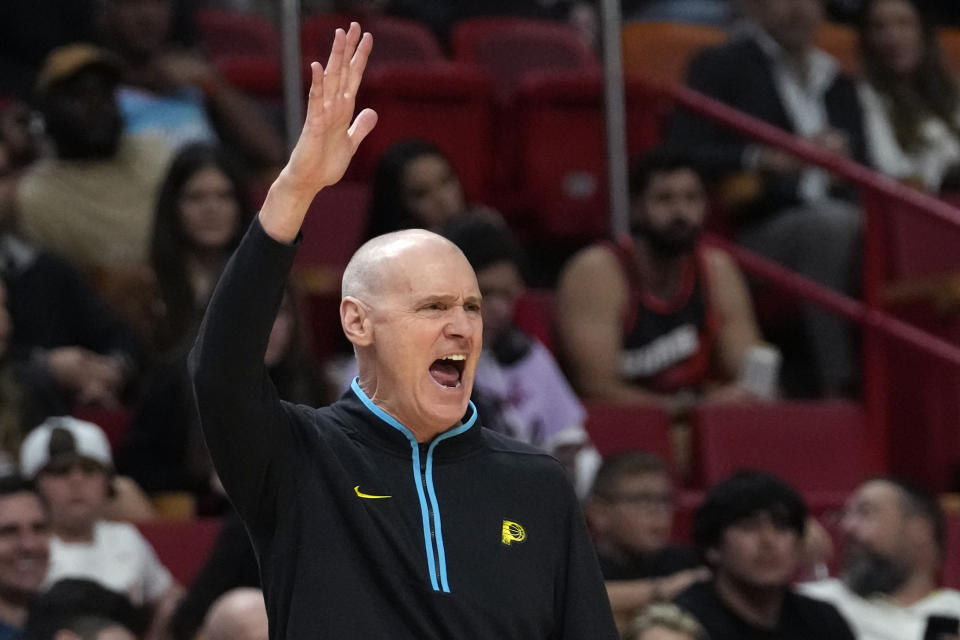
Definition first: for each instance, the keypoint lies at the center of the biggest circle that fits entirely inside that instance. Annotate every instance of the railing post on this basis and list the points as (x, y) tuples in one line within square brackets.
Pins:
[(875, 347)]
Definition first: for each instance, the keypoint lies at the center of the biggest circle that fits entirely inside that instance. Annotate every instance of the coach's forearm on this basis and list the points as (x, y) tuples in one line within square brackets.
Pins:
[(284, 209)]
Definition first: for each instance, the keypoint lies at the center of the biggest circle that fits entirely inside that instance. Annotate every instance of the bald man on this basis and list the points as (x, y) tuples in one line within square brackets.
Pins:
[(239, 614), (392, 512)]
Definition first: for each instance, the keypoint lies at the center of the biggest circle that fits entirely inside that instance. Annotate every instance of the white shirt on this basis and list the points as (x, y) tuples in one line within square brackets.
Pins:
[(803, 98), (879, 619), (940, 150), (119, 558)]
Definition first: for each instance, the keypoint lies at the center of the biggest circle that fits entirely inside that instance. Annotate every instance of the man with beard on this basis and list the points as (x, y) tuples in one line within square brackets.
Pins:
[(893, 551), (657, 318), (750, 531), (93, 202)]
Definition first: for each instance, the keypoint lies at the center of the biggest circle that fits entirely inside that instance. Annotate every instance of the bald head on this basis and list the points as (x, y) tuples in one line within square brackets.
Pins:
[(239, 614), (365, 275)]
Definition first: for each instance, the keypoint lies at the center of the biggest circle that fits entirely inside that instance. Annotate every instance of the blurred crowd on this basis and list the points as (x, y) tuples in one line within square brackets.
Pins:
[(130, 168)]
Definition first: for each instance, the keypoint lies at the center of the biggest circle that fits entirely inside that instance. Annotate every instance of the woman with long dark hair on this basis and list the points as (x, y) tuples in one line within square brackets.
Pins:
[(911, 100), (202, 211), (415, 186)]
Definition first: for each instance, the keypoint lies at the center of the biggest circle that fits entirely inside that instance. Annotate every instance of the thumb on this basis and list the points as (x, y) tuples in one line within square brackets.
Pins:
[(362, 125)]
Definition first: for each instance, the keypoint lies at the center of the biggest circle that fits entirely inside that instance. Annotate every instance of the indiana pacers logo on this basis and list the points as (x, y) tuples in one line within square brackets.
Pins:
[(512, 532)]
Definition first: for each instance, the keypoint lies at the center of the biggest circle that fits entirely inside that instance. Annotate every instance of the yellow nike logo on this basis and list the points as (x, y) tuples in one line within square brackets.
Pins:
[(361, 494)]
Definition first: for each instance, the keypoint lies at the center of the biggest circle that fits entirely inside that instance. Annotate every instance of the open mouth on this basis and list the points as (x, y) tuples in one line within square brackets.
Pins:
[(448, 370)]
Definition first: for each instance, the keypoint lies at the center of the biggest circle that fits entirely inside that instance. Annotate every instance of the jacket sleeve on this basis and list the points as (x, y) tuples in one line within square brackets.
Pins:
[(584, 607), (247, 429), (716, 150)]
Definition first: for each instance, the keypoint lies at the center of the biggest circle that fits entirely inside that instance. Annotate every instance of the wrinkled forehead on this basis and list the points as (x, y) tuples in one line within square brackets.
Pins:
[(431, 269)]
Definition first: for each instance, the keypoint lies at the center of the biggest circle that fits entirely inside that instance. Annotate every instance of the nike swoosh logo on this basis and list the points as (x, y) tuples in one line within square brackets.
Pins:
[(361, 494)]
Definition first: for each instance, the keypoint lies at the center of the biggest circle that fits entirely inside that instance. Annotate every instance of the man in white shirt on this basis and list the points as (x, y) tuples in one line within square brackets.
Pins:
[(893, 550), (70, 461)]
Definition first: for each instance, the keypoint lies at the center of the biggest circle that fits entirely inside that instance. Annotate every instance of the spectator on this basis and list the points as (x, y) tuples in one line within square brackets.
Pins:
[(664, 622), (630, 512), (70, 460), (63, 337), (201, 211), (711, 12), (230, 564), (911, 101), (750, 531), (662, 320), (894, 547), (30, 29), (79, 608), (163, 449), (415, 186), (240, 614), (93, 202), (517, 381), (174, 92), (20, 132), (796, 215), (24, 552)]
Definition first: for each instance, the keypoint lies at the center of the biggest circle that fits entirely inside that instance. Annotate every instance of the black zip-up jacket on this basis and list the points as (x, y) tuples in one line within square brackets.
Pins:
[(361, 532)]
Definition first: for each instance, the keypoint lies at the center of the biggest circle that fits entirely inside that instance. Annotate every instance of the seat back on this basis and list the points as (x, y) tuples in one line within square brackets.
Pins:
[(448, 104), (817, 447), (841, 42), (950, 48), (507, 48), (661, 51), (233, 32), (396, 39), (618, 428), (182, 545)]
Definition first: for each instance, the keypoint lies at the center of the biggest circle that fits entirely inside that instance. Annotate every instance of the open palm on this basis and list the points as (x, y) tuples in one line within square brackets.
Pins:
[(329, 139)]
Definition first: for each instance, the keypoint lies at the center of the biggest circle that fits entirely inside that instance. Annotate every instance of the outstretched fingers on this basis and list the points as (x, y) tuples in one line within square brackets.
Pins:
[(332, 75), (358, 64)]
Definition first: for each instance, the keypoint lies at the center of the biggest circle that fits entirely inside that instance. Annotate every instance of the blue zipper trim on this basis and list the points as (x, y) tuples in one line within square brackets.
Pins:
[(442, 558), (415, 447)]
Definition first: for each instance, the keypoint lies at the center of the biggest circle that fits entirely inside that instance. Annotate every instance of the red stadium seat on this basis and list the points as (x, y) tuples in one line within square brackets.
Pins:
[(234, 32), (817, 447), (396, 39), (558, 122), (563, 177), (616, 428), (332, 231), (244, 47), (450, 105), (534, 314), (114, 422), (334, 226), (951, 569), (661, 50), (508, 48), (182, 546)]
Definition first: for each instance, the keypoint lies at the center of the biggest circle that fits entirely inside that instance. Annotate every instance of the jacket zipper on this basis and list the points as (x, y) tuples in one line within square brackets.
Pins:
[(430, 521)]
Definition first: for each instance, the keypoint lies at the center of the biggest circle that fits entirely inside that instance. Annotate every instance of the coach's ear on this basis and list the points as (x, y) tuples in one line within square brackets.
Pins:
[(356, 321)]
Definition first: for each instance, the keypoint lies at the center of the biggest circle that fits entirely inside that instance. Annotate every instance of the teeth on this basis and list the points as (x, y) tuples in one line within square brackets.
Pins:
[(455, 356)]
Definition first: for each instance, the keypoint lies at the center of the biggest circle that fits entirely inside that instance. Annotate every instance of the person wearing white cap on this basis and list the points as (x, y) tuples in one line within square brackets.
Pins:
[(70, 461)]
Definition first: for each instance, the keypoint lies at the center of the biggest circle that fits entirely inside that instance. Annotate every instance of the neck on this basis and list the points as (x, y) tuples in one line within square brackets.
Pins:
[(203, 266), (759, 607), (13, 609), (421, 434), (918, 586), (662, 275), (80, 533)]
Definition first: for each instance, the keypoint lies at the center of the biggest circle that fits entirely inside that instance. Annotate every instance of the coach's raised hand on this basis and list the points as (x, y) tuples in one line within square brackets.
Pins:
[(328, 140)]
